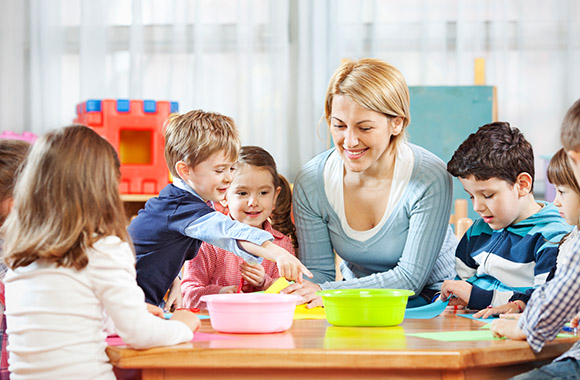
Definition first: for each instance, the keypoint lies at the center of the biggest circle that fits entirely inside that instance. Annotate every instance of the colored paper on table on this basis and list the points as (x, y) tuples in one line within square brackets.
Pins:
[(485, 320), (457, 336), (115, 340), (278, 285), (168, 316), (426, 312), (302, 312)]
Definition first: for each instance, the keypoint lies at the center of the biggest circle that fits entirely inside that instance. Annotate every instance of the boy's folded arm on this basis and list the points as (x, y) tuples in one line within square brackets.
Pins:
[(220, 230), (480, 298)]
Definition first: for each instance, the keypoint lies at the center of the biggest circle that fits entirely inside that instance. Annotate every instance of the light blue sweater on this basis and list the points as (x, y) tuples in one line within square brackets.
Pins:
[(405, 254)]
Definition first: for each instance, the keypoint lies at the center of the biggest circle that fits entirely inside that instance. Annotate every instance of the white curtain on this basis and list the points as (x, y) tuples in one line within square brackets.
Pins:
[(266, 63)]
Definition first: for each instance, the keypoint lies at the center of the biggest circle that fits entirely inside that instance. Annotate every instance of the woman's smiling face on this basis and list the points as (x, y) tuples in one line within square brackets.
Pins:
[(361, 136)]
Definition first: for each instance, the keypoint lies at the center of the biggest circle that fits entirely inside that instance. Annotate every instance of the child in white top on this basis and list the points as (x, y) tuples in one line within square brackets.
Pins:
[(71, 264)]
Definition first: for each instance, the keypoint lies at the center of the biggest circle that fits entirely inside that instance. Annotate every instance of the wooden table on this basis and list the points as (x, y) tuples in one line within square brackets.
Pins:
[(313, 349)]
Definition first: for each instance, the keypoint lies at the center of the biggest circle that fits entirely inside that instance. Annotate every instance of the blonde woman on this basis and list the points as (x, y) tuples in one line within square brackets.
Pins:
[(381, 203)]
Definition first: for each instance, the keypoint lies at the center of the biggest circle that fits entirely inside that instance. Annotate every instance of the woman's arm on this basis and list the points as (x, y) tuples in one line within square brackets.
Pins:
[(316, 250)]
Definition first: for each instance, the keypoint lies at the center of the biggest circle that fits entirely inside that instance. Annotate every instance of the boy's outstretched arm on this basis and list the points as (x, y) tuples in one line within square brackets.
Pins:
[(288, 265)]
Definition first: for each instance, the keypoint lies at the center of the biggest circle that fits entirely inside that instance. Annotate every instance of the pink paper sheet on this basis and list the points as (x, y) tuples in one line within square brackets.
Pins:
[(115, 340)]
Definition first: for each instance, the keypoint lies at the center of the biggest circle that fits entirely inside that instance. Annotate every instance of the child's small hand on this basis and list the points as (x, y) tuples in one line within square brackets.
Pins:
[(155, 310), (253, 274), (174, 298), (507, 328), (507, 308), (574, 321), (461, 290), (187, 317), (228, 289), (288, 265)]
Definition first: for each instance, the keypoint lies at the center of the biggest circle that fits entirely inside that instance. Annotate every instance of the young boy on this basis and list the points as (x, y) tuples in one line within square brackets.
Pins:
[(200, 149), (556, 302), (513, 246)]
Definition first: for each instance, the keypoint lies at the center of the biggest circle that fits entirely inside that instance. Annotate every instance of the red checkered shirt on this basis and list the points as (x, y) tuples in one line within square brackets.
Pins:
[(213, 268)]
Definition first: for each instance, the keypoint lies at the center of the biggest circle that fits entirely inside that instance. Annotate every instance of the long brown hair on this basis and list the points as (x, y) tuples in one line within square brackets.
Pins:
[(281, 217), (560, 173), (66, 199)]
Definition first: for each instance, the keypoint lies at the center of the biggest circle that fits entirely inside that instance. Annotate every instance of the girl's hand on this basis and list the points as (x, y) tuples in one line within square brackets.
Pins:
[(307, 290), (507, 328), (174, 298), (253, 274), (228, 289), (155, 310), (510, 307), (187, 317), (461, 290)]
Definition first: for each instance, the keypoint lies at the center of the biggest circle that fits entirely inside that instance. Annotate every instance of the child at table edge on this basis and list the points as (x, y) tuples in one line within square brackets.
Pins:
[(513, 246), (557, 301)]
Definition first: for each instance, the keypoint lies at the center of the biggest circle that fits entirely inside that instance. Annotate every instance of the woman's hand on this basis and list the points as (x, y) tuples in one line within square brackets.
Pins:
[(507, 328), (307, 290), (457, 291), (253, 274)]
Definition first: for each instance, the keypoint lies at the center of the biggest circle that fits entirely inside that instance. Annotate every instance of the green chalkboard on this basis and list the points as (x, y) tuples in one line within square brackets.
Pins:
[(443, 116)]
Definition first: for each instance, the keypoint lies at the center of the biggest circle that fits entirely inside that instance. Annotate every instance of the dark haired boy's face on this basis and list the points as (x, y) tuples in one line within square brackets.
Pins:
[(495, 200)]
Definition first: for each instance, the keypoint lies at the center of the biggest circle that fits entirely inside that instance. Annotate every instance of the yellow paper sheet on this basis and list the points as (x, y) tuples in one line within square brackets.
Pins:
[(277, 285), (304, 313)]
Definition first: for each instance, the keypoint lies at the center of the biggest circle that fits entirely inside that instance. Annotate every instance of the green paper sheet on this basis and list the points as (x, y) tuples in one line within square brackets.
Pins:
[(457, 336)]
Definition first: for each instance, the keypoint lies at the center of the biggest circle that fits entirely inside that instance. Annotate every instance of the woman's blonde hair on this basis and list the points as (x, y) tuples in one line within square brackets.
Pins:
[(373, 84), (194, 136), (67, 198)]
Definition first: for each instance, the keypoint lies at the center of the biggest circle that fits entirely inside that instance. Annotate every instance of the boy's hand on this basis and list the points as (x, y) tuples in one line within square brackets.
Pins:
[(574, 321), (288, 265), (507, 328), (155, 310), (187, 317), (460, 290), (228, 289), (502, 309), (307, 290), (253, 274), (174, 298)]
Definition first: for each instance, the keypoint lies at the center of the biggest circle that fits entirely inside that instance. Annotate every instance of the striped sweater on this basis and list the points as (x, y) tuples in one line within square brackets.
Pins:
[(516, 258)]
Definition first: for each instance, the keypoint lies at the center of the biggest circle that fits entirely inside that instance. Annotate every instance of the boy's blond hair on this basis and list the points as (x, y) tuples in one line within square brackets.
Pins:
[(196, 135), (570, 133)]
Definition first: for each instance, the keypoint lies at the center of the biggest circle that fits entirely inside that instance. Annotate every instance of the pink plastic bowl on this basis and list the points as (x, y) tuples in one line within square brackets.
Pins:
[(251, 312)]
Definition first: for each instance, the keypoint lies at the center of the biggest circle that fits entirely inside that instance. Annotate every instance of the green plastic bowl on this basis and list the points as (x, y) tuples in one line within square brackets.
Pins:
[(365, 307)]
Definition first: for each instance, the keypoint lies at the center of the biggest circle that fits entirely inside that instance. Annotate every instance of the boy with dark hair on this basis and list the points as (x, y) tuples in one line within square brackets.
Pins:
[(557, 301), (512, 247)]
